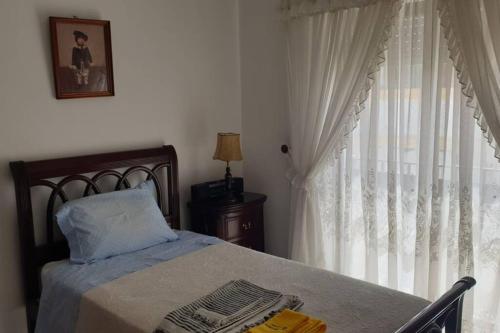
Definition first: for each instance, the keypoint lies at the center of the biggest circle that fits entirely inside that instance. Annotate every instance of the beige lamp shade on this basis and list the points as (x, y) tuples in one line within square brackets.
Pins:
[(228, 147)]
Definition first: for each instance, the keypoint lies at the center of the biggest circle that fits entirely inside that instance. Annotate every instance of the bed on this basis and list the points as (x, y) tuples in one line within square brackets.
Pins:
[(133, 292)]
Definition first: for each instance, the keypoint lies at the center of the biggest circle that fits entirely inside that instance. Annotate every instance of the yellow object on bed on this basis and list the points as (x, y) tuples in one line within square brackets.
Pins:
[(289, 321)]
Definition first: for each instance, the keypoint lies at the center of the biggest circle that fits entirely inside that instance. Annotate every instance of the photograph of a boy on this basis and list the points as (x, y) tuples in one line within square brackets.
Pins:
[(81, 65), (81, 59)]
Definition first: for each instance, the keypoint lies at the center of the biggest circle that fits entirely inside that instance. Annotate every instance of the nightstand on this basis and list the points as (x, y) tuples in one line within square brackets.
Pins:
[(240, 222)]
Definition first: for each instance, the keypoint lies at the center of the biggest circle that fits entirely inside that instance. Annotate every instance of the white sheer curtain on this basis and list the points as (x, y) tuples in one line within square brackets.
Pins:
[(332, 56), (472, 29), (413, 202)]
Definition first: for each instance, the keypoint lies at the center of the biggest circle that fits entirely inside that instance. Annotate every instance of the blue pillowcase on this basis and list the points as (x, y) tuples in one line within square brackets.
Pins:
[(108, 224), (147, 185)]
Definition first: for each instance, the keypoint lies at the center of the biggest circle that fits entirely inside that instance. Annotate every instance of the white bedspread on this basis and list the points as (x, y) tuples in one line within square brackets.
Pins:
[(137, 302)]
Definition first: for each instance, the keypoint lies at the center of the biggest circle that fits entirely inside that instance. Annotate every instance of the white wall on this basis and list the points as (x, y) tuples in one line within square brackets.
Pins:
[(264, 107), (177, 82)]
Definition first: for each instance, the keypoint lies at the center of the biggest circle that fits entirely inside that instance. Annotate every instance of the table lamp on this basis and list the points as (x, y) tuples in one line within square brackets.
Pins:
[(228, 149)]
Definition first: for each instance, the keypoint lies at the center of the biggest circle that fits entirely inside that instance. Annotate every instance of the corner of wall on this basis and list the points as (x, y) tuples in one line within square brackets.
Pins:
[(264, 103)]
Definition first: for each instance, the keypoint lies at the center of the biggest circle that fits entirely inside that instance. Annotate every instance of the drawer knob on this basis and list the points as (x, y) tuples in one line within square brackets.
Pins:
[(247, 226)]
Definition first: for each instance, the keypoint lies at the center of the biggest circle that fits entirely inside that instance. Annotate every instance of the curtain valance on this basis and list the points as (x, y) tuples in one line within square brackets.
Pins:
[(297, 8)]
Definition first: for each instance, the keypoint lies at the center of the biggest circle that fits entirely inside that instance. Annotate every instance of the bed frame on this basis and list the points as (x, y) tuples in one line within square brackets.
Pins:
[(28, 175), (446, 312)]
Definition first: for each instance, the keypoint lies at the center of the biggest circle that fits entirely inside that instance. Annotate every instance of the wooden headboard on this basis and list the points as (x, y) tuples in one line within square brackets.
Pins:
[(28, 175)]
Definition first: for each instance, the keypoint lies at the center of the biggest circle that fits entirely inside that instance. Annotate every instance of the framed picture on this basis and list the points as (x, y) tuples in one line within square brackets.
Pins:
[(81, 57)]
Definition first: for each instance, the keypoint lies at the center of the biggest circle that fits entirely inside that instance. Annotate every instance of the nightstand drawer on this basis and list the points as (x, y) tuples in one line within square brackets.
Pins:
[(242, 225), (240, 222)]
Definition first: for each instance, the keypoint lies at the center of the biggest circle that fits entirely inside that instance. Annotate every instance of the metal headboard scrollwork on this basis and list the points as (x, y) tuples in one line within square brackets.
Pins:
[(92, 185), (28, 175)]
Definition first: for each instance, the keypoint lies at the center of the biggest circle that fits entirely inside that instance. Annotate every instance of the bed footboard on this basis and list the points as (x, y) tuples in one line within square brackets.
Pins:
[(444, 313)]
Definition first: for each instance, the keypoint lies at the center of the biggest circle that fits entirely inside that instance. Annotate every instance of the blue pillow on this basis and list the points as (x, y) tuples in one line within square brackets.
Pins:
[(147, 185), (108, 224)]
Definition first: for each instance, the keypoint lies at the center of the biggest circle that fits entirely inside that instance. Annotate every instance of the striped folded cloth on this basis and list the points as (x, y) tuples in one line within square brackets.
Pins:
[(289, 321), (233, 308)]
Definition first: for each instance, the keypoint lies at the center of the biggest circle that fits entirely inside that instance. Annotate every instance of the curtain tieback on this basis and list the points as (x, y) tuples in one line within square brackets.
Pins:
[(298, 180)]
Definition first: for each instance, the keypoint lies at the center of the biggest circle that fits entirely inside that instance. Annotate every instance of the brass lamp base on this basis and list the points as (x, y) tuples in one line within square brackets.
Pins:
[(229, 195)]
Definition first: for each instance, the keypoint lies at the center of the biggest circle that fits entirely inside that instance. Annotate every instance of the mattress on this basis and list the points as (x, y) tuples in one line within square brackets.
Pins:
[(63, 283), (137, 302), (131, 293)]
